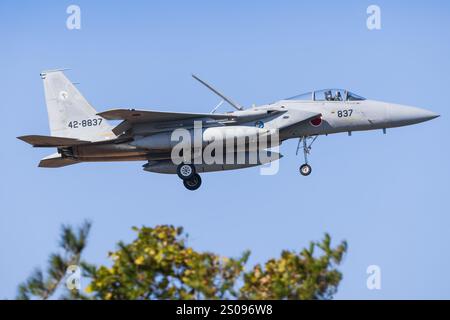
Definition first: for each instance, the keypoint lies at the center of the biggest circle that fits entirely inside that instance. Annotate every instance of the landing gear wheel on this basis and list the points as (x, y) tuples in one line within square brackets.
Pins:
[(305, 169), (193, 183), (185, 171)]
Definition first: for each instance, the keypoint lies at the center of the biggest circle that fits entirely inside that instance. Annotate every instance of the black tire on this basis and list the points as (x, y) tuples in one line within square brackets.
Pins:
[(185, 171), (305, 169), (193, 183)]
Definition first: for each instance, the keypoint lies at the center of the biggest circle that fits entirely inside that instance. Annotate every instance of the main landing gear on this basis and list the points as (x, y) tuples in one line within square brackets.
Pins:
[(191, 179), (305, 169)]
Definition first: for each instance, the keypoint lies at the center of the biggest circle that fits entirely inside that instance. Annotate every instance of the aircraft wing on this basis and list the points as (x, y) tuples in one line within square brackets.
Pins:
[(50, 141), (132, 117), (139, 116)]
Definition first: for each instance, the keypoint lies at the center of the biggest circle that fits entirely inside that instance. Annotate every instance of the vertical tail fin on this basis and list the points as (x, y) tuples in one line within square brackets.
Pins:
[(69, 113)]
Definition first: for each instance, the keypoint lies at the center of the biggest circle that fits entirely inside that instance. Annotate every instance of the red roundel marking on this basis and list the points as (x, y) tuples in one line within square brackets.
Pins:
[(316, 121)]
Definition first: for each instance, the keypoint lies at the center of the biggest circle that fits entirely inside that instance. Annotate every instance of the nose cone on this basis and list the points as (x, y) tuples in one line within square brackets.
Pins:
[(399, 115)]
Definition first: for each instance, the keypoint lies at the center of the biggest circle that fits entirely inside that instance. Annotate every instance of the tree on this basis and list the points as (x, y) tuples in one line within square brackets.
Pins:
[(72, 244), (159, 264), (297, 276)]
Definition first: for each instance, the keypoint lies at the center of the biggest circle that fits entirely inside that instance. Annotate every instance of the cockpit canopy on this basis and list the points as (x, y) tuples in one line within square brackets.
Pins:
[(328, 95)]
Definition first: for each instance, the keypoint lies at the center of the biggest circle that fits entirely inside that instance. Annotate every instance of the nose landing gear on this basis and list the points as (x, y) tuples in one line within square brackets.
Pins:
[(305, 169), (191, 179)]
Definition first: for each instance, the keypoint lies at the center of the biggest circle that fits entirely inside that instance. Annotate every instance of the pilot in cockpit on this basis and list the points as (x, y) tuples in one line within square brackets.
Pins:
[(338, 96)]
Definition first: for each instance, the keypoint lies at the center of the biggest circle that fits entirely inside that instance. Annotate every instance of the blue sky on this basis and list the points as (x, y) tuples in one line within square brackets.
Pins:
[(387, 195)]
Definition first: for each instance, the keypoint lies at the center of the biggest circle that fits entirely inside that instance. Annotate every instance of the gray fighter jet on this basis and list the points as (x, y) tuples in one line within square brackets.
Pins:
[(81, 134)]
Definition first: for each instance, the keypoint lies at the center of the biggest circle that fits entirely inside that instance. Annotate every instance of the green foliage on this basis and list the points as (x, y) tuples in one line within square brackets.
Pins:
[(297, 276), (72, 243), (159, 264)]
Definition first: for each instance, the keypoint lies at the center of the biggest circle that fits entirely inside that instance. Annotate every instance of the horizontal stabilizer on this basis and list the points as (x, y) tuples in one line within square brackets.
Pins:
[(48, 141), (56, 161)]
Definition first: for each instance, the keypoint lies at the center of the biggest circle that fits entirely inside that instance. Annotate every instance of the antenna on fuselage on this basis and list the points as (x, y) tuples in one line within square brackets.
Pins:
[(236, 105), (217, 106)]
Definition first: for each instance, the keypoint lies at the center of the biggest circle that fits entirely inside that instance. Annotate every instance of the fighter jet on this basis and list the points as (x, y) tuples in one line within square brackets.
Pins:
[(81, 134)]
